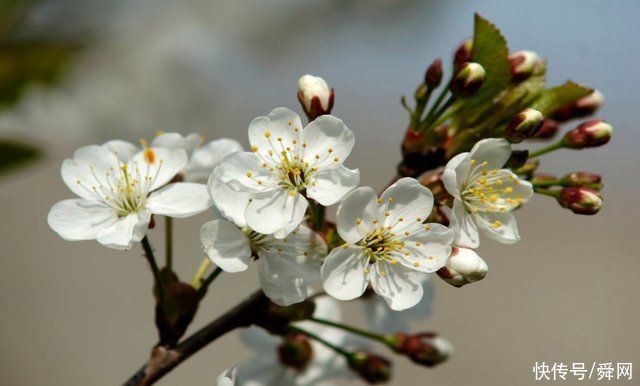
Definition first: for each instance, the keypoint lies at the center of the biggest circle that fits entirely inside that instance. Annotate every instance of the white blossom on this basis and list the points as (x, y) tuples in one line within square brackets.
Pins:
[(485, 193), (387, 244), (287, 165), (120, 188), (324, 367)]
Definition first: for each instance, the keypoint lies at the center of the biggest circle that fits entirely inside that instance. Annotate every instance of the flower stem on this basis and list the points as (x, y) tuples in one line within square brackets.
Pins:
[(545, 150), (206, 282), (441, 110), (148, 254), (354, 330), (436, 104), (168, 239), (202, 270), (315, 337), (547, 192)]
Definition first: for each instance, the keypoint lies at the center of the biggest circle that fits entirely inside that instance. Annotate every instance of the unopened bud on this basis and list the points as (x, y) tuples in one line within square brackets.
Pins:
[(584, 106), (464, 53), (524, 125), (370, 367), (464, 266), (427, 349), (523, 63), (580, 200), (421, 93), (589, 134), (467, 80), (295, 351), (433, 77), (576, 179), (548, 129), (315, 96)]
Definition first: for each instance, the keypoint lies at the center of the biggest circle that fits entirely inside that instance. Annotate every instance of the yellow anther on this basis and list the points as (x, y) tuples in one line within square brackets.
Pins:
[(317, 156), (427, 228), (267, 134), (390, 199), (387, 214), (416, 264), (379, 201), (254, 148), (366, 270), (259, 182), (493, 198), (359, 221), (484, 164), (508, 190), (499, 182), (264, 165), (393, 261), (401, 219), (336, 159), (289, 123), (249, 174), (345, 246), (406, 233), (475, 210), (497, 224), (430, 257), (295, 141), (304, 144), (330, 150), (296, 129), (419, 219), (270, 152), (418, 244), (279, 139), (472, 162), (306, 253), (292, 193), (149, 156)]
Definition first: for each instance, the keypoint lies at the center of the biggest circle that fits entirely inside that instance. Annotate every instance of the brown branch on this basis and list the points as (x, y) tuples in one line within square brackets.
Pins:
[(164, 359)]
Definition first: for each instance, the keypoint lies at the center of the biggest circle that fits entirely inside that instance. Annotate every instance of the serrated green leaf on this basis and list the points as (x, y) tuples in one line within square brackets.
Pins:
[(14, 154), (554, 98), (491, 51)]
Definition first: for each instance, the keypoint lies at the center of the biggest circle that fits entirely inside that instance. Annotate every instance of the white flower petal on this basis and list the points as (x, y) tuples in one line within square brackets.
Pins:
[(282, 287), (328, 137), (501, 227), (343, 274), (225, 245), (494, 151), (455, 174), (265, 132), (331, 185), (122, 149), (125, 231), (80, 219), (400, 287), (231, 204), (207, 157), (428, 249), (404, 203), (243, 171), (181, 199), (157, 166), (356, 214), (276, 212), (174, 141), (88, 169), (463, 223), (227, 377)]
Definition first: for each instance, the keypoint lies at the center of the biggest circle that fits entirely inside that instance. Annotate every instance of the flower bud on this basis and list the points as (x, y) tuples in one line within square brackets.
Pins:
[(427, 349), (463, 53), (464, 266), (370, 367), (524, 125), (580, 200), (594, 133), (523, 63), (584, 106), (315, 96), (295, 351), (576, 179), (433, 77), (421, 93), (467, 80), (548, 129)]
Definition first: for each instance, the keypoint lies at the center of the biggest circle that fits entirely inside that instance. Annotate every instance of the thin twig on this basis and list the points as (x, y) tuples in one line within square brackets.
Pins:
[(148, 254)]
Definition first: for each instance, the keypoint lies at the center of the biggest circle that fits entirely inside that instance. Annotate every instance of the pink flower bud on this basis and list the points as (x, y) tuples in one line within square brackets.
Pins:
[(576, 179), (589, 134), (524, 125), (315, 96), (426, 349), (523, 63), (548, 129), (370, 367), (433, 77), (295, 351), (580, 200), (463, 267), (463, 53), (468, 80), (584, 106)]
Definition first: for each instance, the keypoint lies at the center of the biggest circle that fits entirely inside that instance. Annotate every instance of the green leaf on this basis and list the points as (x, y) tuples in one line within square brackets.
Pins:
[(13, 154), (491, 51), (554, 98)]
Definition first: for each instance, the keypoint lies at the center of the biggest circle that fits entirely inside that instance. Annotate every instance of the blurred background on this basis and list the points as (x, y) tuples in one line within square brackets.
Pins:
[(76, 72)]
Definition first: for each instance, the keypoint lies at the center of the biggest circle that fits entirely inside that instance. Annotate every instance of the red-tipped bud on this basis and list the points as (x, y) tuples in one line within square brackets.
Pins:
[(370, 367), (548, 129), (523, 63), (524, 125), (433, 77), (468, 80), (315, 96), (464, 266), (295, 351), (576, 179), (580, 200), (589, 134), (584, 106), (463, 53), (426, 349)]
